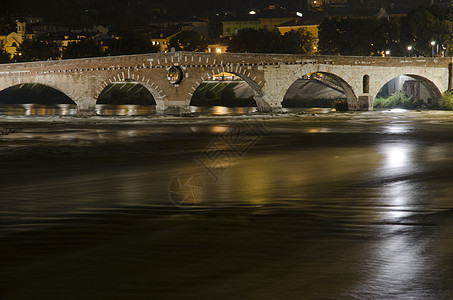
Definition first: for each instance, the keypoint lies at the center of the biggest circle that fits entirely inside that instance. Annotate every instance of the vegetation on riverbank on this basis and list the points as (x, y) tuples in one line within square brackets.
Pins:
[(397, 100), (446, 102), (338, 104)]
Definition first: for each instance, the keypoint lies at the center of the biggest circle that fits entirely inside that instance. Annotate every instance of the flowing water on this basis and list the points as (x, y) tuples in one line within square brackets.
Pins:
[(227, 206)]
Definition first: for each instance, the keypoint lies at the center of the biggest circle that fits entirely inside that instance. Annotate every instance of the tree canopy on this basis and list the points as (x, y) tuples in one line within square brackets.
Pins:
[(426, 24), (353, 36), (131, 43), (265, 41), (82, 49), (188, 41), (37, 50)]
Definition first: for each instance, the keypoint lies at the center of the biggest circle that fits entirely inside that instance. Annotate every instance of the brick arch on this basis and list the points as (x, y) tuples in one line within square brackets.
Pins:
[(158, 94), (345, 86), (57, 88), (245, 75), (431, 86)]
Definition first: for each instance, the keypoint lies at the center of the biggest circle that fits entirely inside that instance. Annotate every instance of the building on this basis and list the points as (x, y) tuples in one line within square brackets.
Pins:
[(318, 5), (162, 38), (10, 41), (218, 46), (232, 27), (310, 24), (271, 17)]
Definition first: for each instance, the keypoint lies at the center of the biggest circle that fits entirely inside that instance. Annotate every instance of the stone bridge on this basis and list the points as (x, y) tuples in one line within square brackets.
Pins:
[(269, 75)]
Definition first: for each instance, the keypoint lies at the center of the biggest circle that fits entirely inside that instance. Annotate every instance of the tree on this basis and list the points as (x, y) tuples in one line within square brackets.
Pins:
[(131, 43), (255, 41), (423, 25), (354, 36), (38, 50), (85, 48), (298, 42), (188, 41), (265, 41), (4, 56)]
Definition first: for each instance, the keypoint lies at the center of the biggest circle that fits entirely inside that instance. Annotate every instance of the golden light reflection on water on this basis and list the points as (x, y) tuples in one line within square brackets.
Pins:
[(38, 110), (295, 174), (222, 110), (125, 110), (316, 130)]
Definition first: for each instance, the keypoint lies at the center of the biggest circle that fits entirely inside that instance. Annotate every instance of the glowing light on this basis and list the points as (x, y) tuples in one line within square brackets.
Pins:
[(299, 14), (252, 12), (218, 50), (398, 110)]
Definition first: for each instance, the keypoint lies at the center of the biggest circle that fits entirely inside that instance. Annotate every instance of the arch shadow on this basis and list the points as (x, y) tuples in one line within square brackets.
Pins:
[(223, 89), (328, 81), (34, 93), (258, 94), (156, 96)]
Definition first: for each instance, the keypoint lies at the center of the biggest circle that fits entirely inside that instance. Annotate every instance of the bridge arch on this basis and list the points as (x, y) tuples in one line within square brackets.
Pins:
[(158, 96), (329, 78), (434, 89), (44, 88), (258, 93)]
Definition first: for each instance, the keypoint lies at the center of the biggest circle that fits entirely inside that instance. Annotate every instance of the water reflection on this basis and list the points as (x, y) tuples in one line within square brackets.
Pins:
[(38, 110), (222, 110), (395, 269), (125, 110), (398, 158)]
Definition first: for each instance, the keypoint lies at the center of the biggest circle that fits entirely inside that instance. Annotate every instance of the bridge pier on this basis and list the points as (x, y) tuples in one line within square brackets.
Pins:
[(365, 102), (86, 107), (173, 108), (82, 113)]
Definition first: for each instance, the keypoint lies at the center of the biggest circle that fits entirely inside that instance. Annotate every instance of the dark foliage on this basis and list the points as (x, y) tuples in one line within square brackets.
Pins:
[(188, 41), (265, 41), (353, 36), (131, 43), (85, 48), (38, 50)]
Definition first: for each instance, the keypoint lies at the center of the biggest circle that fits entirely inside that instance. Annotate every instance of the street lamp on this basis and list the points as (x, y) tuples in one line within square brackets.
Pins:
[(432, 47), (387, 52), (409, 48)]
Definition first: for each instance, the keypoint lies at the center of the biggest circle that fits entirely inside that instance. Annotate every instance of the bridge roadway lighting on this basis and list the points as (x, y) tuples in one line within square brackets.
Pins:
[(432, 47), (409, 48)]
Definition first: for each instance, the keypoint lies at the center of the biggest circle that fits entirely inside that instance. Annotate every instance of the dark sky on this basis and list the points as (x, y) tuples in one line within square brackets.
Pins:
[(107, 11)]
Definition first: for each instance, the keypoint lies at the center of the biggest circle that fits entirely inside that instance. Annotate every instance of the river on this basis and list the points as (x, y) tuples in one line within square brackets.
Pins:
[(227, 206)]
